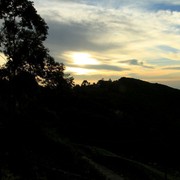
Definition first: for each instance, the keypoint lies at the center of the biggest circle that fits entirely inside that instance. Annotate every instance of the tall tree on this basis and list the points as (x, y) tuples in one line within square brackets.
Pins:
[(22, 34)]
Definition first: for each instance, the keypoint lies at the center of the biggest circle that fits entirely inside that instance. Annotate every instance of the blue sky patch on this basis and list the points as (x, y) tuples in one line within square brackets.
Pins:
[(164, 62), (161, 6), (168, 48)]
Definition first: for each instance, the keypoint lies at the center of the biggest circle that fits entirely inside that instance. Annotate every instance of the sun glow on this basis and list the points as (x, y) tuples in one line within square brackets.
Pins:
[(84, 59), (79, 71)]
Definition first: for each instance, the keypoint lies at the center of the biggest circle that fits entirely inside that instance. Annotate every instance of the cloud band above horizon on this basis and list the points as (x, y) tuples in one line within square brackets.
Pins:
[(128, 38)]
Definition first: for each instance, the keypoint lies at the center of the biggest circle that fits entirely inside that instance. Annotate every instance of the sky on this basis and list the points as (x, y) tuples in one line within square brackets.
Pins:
[(110, 39)]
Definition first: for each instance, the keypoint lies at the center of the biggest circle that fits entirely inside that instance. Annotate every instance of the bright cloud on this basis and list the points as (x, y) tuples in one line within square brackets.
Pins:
[(79, 58), (114, 31), (80, 71)]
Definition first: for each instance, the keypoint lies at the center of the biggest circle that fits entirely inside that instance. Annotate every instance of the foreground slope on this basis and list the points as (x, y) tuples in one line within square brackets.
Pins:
[(124, 129)]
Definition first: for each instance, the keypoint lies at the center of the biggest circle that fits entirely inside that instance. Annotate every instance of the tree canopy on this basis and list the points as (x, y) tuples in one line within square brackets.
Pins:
[(22, 34)]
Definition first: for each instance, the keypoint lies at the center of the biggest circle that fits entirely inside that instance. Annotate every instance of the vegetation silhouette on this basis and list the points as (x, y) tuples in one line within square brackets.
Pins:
[(51, 128)]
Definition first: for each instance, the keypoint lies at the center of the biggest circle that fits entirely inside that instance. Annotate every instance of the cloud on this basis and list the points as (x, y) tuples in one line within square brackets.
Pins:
[(108, 31), (146, 33), (165, 6), (168, 49), (135, 62), (103, 67), (111, 26), (74, 37), (173, 68), (163, 62)]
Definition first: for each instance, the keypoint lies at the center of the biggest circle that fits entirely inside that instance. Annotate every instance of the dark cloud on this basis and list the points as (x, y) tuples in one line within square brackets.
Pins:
[(135, 62), (67, 36), (73, 37), (107, 67), (173, 68), (132, 62), (150, 67), (102, 67)]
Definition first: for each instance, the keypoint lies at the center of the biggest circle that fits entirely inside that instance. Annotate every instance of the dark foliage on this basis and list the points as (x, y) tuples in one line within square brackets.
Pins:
[(46, 130), (51, 129), (22, 34)]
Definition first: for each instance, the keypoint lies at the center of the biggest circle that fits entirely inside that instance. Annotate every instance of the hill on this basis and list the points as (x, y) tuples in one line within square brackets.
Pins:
[(136, 113), (123, 129)]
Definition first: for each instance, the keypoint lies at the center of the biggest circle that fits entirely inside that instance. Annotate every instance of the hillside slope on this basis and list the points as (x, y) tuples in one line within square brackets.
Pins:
[(48, 134)]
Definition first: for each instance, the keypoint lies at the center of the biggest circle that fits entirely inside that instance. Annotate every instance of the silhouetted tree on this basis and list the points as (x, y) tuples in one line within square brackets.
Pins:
[(102, 83), (22, 35), (85, 83), (53, 75)]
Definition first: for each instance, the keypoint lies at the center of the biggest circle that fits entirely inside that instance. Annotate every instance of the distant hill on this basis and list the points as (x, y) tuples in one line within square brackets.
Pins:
[(134, 114)]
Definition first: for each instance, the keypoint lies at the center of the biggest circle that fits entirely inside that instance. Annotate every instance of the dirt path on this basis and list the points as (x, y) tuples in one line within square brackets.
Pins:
[(107, 173)]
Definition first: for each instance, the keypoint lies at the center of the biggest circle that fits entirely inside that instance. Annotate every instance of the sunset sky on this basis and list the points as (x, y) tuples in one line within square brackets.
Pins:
[(111, 39)]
